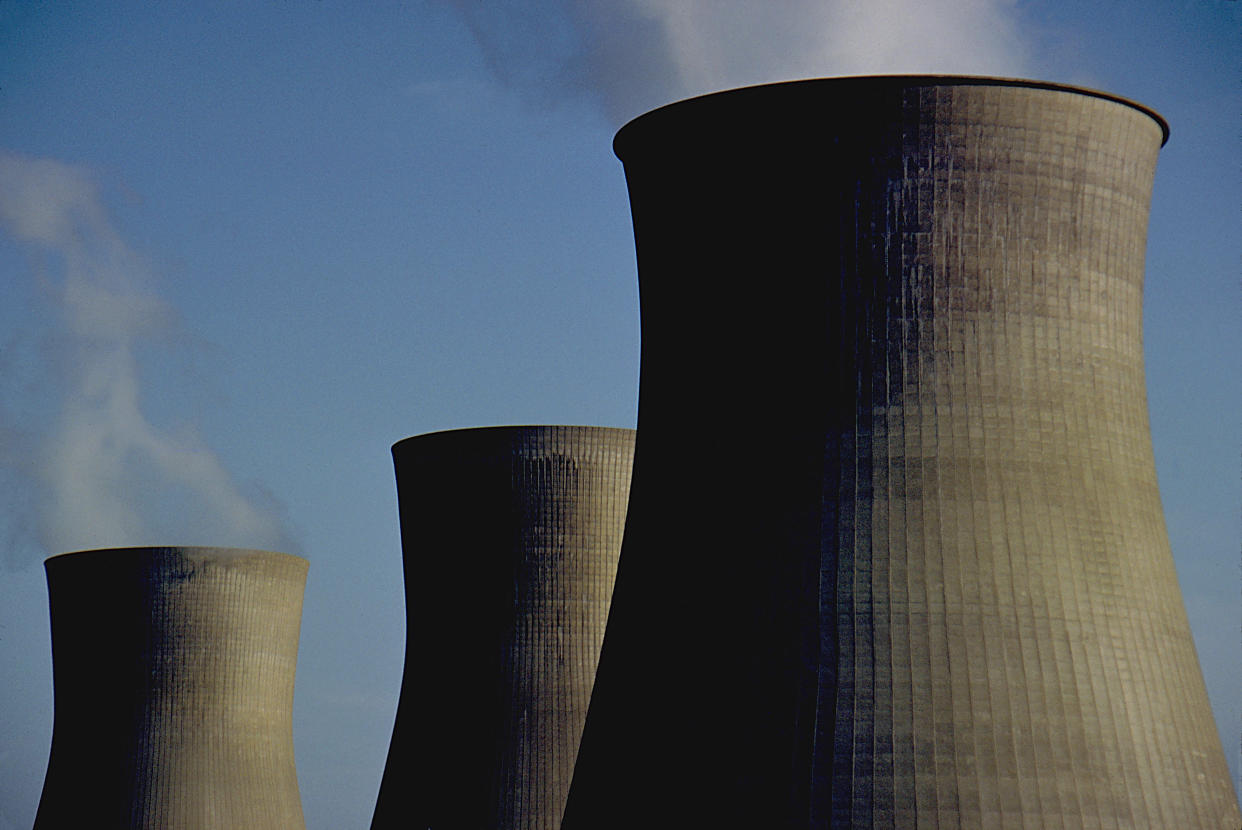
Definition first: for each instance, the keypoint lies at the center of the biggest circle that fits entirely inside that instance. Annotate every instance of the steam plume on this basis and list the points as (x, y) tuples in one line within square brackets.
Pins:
[(633, 55), (86, 463)]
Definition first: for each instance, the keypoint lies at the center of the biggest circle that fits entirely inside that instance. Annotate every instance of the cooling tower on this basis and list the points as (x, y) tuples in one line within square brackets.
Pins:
[(895, 555), (511, 537), (173, 672)]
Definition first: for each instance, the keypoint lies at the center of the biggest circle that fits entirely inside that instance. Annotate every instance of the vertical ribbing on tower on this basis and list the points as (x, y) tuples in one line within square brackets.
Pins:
[(895, 554), (510, 539), (173, 674)]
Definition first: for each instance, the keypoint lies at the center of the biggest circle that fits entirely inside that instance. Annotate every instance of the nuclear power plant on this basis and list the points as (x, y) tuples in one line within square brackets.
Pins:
[(895, 554), (511, 537), (173, 674)]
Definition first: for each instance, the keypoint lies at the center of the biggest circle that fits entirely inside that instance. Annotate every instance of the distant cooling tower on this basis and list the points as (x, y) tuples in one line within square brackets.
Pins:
[(511, 537), (895, 554), (173, 672)]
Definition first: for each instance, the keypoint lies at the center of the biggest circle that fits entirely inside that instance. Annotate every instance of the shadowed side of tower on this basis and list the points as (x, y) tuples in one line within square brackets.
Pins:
[(173, 672), (895, 554), (510, 538)]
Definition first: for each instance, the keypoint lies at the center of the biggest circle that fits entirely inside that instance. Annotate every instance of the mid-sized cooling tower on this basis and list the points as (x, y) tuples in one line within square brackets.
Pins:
[(510, 538), (173, 672), (895, 555)]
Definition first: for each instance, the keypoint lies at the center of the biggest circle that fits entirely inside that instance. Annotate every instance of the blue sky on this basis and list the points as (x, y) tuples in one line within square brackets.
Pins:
[(244, 248)]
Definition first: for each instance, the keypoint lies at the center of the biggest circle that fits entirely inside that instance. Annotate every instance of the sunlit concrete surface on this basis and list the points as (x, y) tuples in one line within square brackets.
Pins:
[(895, 554), (511, 537), (173, 671)]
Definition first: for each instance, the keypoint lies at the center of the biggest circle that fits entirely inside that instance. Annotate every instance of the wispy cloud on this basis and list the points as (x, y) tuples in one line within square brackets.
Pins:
[(97, 472), (633, 55)]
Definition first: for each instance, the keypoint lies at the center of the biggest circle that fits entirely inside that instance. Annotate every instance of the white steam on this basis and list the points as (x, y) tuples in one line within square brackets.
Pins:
[(633, 55), (85, 465)]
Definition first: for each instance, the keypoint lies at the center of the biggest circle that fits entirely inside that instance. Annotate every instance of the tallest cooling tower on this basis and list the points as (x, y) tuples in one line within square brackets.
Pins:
[(895, 555)]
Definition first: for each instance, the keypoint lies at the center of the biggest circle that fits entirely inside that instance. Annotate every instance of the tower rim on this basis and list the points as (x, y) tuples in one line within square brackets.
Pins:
[(626, 135), (200, 552), (469, 433)]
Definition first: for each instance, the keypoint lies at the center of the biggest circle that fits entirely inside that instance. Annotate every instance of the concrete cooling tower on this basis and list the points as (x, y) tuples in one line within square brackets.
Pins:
[(173, 672), (511, 537), (895, 555)]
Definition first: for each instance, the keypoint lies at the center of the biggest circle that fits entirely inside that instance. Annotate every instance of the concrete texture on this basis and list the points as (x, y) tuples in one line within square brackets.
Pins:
[(511, 537), (173, 671), (895, 554)]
